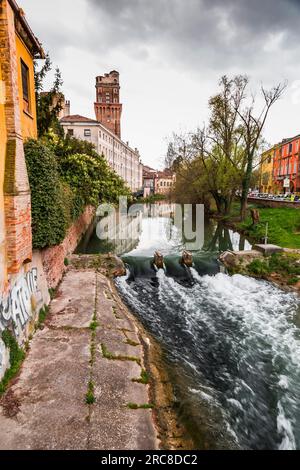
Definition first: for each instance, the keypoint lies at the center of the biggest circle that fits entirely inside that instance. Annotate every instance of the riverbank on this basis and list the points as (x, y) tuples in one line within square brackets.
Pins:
[(282, 269), (92, 377), (283, 225), (283, 230)]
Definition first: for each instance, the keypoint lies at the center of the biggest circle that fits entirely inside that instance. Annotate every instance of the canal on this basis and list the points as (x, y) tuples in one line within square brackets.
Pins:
[(231, 343)]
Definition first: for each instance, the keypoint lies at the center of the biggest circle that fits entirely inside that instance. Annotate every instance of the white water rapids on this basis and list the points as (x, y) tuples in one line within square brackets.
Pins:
[(238, 340)]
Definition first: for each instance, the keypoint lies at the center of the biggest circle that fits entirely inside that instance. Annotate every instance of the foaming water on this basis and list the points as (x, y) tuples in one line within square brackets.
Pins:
[(238, 344)]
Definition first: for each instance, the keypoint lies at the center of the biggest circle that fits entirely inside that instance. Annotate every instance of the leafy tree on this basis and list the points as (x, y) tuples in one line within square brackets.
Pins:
[(48, 104), (228, 147)]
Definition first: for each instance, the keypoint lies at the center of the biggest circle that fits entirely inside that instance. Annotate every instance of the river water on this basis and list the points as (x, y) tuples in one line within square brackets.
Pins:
[(231, 343)]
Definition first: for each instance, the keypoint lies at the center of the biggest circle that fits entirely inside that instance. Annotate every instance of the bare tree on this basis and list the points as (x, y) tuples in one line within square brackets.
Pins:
[(252, 128)]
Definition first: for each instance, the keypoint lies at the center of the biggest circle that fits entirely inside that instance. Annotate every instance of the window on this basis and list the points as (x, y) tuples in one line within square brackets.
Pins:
[(115, 90), (290, 148), (87, 132), (70, 132), (25, 86)]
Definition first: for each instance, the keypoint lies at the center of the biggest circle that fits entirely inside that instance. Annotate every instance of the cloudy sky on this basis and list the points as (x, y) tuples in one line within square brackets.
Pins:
[(170, 55)]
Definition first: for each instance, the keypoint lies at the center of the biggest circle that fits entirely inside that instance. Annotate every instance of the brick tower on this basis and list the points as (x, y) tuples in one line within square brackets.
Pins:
[(108, 108)]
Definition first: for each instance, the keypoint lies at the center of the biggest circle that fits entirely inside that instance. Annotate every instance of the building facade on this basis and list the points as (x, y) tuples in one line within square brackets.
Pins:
[(158, 182), (148, 180), (108, 109), (164, 182), (18, 49), (266, 171), (286, 166), (120, 156), (20, 297)]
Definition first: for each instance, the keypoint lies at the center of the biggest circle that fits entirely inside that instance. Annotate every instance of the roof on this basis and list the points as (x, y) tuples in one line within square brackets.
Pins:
[(36, 49), (77, 118), (148, 169), (165, 174), (289, 139)]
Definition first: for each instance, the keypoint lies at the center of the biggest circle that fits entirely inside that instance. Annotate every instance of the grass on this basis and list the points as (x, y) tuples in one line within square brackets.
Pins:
[(16, 358), (143, 379), (94, 325), (42, 316), (283, 230), (90, 396), (52, 293), (285, 264), (144, 406), (108, 355)]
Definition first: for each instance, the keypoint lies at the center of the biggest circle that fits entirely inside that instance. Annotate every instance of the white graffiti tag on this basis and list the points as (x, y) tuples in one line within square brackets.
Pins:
[(16, 308)]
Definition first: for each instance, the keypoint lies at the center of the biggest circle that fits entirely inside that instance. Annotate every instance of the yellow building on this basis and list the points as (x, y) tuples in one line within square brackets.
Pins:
[(266, 171), (2, 162), (18, 49)]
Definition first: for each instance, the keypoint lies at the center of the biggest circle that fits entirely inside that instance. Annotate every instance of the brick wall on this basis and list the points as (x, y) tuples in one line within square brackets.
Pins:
[(53, 257), (16, 185)]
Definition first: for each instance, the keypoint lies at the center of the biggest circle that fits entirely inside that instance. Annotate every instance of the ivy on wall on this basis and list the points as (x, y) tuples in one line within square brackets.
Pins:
[(49, 215), (65, 176)]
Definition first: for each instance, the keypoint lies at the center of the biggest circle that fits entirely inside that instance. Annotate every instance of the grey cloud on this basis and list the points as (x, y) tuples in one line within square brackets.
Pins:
[(217, 32), (179, 47)]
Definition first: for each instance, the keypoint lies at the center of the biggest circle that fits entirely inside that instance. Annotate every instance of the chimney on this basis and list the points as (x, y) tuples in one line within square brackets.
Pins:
[(67, 108)]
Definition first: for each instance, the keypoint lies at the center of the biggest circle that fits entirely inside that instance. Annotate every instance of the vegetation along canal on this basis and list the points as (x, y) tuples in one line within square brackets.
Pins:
[(232, 343)]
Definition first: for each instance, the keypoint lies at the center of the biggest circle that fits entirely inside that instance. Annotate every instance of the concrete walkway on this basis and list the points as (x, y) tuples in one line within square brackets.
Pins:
[(45, 407)]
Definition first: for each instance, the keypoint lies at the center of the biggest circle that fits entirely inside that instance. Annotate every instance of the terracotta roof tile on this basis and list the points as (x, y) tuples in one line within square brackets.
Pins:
[(77, 118)]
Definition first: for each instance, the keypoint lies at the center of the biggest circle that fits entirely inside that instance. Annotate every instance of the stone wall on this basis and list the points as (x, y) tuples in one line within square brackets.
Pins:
[(53, 258), (270, 203), (20, 305), (28, 290)]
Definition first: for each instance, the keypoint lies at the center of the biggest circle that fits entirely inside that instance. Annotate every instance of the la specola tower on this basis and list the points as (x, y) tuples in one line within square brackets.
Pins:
[(108, 108)]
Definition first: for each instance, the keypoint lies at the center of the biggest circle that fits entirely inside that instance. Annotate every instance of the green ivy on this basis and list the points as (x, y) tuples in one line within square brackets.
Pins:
[(16, 357), (65, 176), (48, 196)]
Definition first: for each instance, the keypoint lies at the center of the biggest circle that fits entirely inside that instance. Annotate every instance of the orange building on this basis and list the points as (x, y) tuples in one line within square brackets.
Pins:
[(18, 49), (286, 166)]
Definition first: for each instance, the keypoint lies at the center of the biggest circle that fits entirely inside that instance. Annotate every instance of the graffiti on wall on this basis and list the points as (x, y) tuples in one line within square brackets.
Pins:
[(16, 308)]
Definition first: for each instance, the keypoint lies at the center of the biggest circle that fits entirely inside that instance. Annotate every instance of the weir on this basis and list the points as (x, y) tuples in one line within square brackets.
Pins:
[(147, 267)]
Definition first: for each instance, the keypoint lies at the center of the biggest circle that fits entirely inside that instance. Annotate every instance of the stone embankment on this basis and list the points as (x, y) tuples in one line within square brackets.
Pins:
[(284, 270), (92, 378)]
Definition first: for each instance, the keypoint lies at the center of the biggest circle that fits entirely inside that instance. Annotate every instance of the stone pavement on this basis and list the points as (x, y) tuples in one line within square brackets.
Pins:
[(89, 339)]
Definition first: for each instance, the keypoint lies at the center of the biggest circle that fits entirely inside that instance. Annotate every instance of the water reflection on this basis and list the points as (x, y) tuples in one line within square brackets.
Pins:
[(152, 227)]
